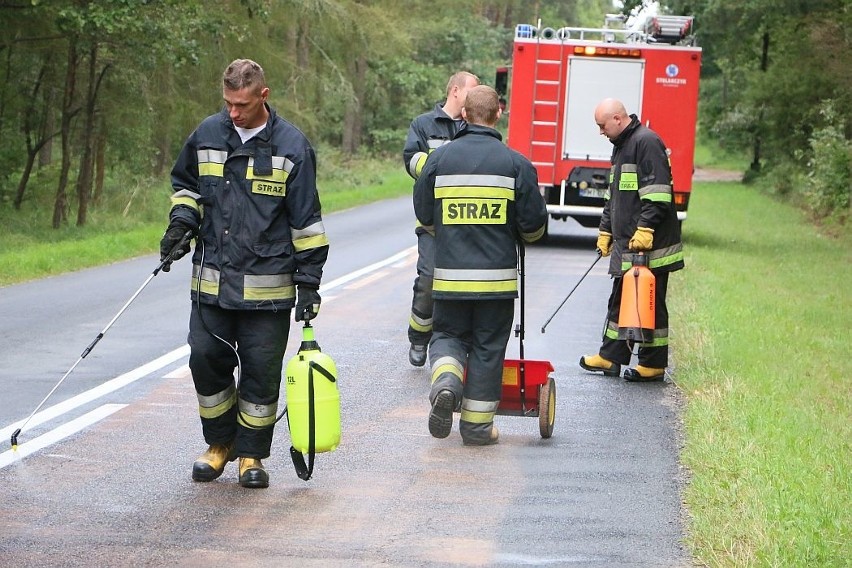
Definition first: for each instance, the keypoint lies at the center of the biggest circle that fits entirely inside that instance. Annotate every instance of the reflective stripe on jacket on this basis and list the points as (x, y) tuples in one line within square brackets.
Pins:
[(480, 197), (640, 195), (259, 211), (427, 132)]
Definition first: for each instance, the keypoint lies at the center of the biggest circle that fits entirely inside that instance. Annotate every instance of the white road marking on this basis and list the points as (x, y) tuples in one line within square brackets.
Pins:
[(58, 434)]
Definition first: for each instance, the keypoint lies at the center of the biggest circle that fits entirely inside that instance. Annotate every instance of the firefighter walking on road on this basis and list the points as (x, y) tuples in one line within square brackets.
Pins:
[(638, 216), (426, 133), (479, 197), (245, 188)]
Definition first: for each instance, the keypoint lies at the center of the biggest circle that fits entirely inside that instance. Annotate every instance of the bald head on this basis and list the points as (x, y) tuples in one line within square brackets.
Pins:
[(482, 106), (611, 117)]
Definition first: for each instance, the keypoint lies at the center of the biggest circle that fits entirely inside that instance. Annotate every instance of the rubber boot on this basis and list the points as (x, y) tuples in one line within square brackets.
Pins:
[(644, 374), (253, 474), (597, 363), (441, 416), (211, 463), (493, 438), (417, 355)]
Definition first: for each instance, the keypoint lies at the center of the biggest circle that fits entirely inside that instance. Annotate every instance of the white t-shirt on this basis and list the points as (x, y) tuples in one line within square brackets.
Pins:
[(248, 133)]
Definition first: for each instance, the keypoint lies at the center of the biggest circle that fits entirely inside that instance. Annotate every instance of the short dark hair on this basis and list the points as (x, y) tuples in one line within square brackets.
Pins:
[(243, 73), (481, 105)]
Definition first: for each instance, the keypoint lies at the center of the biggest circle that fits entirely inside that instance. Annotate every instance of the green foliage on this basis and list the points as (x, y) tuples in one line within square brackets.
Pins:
[(830, 168)]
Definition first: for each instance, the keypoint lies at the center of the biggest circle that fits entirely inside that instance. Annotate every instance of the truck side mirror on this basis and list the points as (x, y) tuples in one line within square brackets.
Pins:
[(501, 81)]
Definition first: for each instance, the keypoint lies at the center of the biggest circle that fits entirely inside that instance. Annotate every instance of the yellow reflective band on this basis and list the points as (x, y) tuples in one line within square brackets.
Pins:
[(281, 168), (440, 369), (268, 287), (475, 286), (472, 211), (278, 293), (474, 191), (532, 237), (211, 169), (218, 409), (666, 260), (209, 280), (417, 163), (475, 417), (628, 182), (658, 197), (255, 423), (611, 334), (306, 243), (184, 200), (415, 324)]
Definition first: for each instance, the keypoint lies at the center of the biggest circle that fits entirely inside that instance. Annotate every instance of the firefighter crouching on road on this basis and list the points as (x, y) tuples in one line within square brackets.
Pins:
[(427, 132), (638, 215), (479, 197), (245, 188)]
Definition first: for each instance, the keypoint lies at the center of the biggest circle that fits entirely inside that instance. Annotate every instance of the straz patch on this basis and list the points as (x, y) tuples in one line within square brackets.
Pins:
[(266, 187), (473, 211)]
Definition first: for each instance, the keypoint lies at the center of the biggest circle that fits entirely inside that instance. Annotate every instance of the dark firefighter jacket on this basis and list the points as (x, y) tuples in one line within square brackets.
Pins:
[(640, 195), (259, 211), (427, 132), (480, 197)]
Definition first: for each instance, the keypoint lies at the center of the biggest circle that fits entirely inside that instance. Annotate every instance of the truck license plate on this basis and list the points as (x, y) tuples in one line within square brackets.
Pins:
[(592, 192)]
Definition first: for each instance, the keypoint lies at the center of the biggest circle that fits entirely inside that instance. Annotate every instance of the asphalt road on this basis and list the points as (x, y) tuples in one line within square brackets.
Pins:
[(102, 473)]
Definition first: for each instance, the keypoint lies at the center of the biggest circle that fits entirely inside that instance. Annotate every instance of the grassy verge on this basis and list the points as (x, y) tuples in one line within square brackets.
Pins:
[(130, 219), (761, 339)]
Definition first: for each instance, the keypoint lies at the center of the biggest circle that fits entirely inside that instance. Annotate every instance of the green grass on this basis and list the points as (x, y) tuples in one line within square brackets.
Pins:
[(761, 336), (132, 217), (709, 155)]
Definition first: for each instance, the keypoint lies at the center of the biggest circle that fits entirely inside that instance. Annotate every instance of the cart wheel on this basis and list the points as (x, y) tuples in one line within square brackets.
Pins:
[(547, 407)]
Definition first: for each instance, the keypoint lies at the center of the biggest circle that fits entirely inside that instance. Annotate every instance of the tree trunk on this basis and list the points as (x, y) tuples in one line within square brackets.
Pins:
[(353, 118), (764, 65), (84, 176), (100, 160), (60, 204)]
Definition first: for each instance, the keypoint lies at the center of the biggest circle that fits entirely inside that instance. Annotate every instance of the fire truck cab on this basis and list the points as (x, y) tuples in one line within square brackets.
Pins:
[(558, 76)]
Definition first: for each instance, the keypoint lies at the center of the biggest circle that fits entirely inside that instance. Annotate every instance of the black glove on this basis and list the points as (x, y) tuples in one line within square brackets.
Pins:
[(307, 303), (174, 236)]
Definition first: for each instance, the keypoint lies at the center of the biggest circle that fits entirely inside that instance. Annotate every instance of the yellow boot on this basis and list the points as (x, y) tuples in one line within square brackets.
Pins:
[(253, 474), (644, 374), (598, 363), (211, 463)]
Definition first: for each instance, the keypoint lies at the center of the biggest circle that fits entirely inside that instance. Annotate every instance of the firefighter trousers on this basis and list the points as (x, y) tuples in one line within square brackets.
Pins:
[(243, 412), (420, 320), (472, 334), (654, 355)]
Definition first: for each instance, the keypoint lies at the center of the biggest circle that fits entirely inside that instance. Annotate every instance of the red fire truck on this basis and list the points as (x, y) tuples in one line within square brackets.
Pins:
[(559, 75)]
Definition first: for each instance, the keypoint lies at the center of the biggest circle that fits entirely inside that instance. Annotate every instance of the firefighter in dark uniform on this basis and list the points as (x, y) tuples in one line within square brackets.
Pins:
[(639, 215), (479, 197), (426, 133), (245, 188)]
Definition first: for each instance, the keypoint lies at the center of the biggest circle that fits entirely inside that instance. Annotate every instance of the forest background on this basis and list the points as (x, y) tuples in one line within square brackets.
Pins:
[(97, 97)]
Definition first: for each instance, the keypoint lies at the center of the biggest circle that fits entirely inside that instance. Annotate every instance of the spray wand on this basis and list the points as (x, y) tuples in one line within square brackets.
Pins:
[(167, 260)]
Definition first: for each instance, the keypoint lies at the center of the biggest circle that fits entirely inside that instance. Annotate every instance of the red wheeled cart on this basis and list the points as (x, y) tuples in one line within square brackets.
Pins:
[(528, 388)]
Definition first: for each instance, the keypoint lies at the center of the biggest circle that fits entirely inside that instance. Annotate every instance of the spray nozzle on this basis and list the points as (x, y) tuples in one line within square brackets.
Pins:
[(15, 440)]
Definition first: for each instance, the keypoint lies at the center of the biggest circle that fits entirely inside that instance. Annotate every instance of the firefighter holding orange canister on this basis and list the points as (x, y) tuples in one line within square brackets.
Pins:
[(480, 198), (638, 217), (427, 132)]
